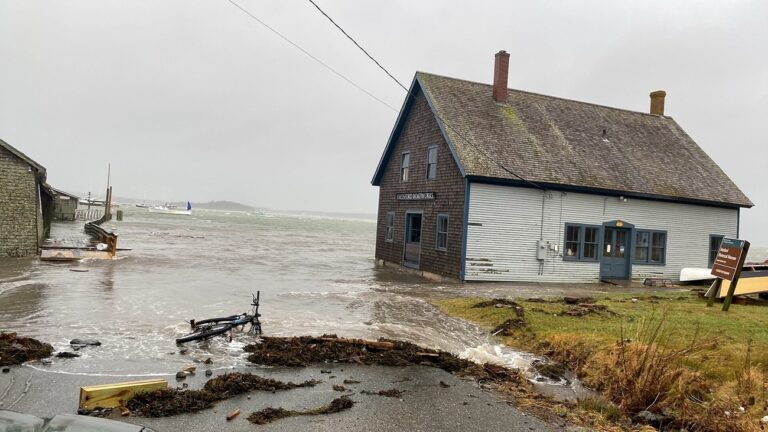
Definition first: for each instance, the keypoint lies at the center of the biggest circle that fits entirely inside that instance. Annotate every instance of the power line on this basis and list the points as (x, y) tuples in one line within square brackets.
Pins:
[(358, 45), (308, 54), (409, 94)]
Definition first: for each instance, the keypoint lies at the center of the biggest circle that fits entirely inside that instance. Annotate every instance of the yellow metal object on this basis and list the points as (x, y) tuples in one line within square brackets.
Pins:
[(114, 395)]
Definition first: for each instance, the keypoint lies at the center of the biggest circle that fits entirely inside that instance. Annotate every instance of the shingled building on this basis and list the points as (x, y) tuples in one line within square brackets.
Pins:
[(26, 205), (481, 182)]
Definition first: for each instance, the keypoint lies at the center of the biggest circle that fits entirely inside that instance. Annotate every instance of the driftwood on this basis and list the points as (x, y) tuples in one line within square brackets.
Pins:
[(233, 414)]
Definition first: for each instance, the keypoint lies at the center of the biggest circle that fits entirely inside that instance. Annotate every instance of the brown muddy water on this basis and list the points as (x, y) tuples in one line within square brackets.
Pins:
[(316, 275)]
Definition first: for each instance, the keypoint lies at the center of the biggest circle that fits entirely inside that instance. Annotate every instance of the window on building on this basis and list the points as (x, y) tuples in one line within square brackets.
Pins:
[(432, 162), (441, 236), (650, 247), (405, 166), (581, 242), (389, 227), (714, 247), (591, 241), (642, 241)]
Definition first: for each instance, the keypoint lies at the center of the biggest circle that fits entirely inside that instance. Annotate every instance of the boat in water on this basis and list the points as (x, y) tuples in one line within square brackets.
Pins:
[(171, 209)]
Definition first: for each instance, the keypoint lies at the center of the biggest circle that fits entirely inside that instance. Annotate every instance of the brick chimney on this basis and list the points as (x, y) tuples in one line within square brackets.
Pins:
[(657, 102), (500, 75)]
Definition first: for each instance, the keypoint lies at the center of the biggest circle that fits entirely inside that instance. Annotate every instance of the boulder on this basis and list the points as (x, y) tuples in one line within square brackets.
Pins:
[(85, 342)]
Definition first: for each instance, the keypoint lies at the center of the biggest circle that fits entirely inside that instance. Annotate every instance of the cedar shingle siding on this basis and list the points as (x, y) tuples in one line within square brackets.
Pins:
[(418, 133), (18, 206)]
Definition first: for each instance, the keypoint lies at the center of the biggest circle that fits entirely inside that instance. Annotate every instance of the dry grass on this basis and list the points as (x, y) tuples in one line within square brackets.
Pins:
[(652, 358)]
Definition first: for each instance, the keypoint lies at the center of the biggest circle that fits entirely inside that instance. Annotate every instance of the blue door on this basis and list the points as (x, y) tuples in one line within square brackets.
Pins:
[(614, 258)]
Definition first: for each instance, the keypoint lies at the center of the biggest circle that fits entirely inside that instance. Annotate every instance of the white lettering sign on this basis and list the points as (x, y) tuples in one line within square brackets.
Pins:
[(416, 196)]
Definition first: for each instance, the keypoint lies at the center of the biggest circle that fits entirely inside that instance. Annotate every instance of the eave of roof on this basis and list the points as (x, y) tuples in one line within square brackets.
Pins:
[(22, 156)]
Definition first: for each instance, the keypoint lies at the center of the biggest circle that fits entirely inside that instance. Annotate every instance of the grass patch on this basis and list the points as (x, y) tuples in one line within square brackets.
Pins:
[(665, 352)]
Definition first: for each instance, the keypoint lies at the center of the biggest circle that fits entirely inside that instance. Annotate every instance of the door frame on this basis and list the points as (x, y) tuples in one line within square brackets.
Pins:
[(406, 231), (629, 256)]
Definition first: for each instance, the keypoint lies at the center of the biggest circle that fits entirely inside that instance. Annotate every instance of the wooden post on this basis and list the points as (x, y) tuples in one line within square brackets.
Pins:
[(735, 281), (713, 290)]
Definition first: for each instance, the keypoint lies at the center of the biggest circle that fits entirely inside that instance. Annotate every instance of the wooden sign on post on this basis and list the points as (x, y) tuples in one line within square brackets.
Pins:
[(728, 264)]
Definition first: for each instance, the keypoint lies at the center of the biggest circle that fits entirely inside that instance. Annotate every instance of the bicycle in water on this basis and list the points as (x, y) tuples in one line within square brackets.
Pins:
[(208, 328)]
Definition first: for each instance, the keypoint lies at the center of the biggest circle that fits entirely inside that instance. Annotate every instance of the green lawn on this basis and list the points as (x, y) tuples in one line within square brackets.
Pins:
[(686, 318)]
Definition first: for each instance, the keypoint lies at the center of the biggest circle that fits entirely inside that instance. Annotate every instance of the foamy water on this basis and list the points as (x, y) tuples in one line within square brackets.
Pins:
[(316, 275)]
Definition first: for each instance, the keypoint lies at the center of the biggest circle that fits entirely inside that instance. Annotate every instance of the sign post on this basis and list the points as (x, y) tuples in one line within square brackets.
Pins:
[(728, 264)]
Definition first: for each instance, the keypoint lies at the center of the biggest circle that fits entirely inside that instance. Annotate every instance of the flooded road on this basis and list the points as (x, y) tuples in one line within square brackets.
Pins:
[(316, 275)]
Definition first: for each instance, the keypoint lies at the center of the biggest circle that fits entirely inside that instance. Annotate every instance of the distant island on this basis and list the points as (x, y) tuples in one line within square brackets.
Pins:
[(223, 205)]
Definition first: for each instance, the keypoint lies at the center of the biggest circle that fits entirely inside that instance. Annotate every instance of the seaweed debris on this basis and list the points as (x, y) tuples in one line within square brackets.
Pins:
[(499, 303), (394, 393), (16, 350), (168, 402), (268, 415), (305, 350)]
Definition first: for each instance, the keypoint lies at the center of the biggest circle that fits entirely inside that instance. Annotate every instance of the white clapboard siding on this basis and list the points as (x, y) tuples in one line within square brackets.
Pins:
[(505, 224)]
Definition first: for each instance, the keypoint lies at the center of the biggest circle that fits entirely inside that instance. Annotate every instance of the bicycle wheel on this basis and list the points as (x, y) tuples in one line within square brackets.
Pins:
[(206, 332)]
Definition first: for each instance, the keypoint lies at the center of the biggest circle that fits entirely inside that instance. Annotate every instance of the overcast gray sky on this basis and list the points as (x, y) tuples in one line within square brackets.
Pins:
[(193, 100)]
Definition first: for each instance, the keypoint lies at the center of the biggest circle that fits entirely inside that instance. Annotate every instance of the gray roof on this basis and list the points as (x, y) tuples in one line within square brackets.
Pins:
[(22, 156), (559, 142), (61, 192)]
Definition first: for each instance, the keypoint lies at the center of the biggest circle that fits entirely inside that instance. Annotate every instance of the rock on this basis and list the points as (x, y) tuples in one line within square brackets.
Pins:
[(208, 361), (46, 361), (208, 372), (85, 342), (652, 419), (325, 371), (180, 375), (183, 351), (66, 354), (6, 369)]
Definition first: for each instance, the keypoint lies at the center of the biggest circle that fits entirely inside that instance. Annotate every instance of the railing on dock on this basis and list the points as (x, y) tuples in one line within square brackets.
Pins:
[(95, 230), (88, 214)]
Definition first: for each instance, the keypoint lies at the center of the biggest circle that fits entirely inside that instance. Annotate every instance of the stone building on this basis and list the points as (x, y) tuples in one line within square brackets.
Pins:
[(482, 182), (26, 203)]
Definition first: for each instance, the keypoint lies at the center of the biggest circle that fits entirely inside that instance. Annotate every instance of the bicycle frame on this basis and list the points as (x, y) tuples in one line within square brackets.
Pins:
[(203, 329)]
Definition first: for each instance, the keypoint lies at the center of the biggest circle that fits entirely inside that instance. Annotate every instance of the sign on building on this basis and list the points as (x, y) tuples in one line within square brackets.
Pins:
[(416, 196)]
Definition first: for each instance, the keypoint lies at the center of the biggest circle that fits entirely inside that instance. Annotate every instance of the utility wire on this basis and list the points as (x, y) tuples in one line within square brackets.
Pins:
[(308, 54), (411, 95), (358, 45)]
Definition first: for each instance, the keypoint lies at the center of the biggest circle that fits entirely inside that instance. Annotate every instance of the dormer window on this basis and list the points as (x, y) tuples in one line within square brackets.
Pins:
[(405, 166)]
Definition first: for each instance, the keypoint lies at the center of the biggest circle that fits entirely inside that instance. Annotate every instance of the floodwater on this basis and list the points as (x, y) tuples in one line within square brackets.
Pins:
[(316, 275)]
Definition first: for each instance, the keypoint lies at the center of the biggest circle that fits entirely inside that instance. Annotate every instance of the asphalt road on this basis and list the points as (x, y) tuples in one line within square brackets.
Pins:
[(424, 406)]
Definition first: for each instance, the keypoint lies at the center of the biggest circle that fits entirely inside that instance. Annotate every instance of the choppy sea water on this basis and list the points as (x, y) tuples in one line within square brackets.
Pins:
[(316, 275)]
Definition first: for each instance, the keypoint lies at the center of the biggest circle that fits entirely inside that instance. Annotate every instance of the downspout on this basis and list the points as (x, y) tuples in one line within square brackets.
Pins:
[(738, 221), (463, 270), (541, 228)]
